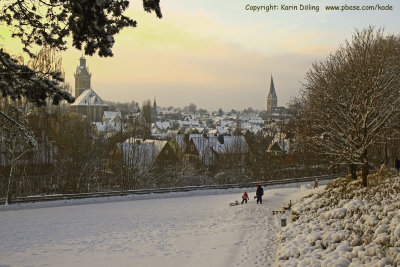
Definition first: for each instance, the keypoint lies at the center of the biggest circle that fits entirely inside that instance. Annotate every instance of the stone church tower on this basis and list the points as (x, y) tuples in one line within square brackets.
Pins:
[(272, 99), (87, 101), (82, 77)]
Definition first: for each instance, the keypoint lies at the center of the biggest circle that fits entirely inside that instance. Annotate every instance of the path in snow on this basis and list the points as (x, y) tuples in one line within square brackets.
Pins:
[(183, 231)]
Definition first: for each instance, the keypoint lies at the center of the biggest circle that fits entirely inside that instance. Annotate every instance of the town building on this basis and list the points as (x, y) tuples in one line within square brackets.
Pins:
[(274, 111), (87, 101), (272, 99)]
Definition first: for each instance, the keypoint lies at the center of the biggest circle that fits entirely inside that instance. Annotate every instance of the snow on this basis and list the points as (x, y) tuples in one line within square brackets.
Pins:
[(196, 228), (345, 225), (89, 97)]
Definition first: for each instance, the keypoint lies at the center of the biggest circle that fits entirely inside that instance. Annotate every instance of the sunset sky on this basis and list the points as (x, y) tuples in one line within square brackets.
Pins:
[(216, 54)]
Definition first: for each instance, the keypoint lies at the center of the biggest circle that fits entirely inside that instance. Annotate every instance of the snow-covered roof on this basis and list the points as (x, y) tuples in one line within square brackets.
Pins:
[(227, 123), (222, 145), (213, 131), (180, 139), (107, 126), (141, 153), (230, 145), (281, 141), (256, 120), (189, 123), (110, 128), (108, 115), (222, 130), (162, 125), (89, 98), (204, 147)]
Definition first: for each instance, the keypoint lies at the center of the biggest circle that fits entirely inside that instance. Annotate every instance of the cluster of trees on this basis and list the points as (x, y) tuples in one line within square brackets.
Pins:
[(350, 103), (71, 158)]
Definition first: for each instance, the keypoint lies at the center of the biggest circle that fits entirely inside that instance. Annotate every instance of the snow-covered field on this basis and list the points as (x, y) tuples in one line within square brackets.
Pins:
[(175, 229)]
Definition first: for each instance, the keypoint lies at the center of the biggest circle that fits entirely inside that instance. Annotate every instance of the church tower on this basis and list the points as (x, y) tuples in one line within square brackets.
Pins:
[(272, 99), (82, 77)]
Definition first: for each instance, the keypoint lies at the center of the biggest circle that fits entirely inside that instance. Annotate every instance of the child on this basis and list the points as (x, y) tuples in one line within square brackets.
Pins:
[(245, 197), (316, 183)]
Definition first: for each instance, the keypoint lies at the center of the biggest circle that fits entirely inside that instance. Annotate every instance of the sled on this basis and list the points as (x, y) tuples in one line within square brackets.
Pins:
[(278, 211), (234, 203)]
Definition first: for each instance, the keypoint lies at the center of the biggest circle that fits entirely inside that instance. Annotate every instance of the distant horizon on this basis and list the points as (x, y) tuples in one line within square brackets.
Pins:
[(182, 107)]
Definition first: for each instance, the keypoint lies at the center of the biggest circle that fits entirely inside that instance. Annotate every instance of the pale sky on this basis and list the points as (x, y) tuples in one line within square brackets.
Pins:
[(214, 53)]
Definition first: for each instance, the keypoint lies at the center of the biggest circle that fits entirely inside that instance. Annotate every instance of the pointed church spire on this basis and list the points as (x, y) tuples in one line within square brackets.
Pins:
[(272, 88), (82, 61), (272, 99)]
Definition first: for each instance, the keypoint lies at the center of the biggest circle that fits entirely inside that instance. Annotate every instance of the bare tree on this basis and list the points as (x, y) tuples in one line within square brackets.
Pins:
[(192, 108), (147, 115), (352, 98), (15, 139)]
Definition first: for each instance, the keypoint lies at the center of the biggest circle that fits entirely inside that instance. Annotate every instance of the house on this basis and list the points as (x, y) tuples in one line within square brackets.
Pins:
[(111, 116), (111, 124), (279, 145), (160, 127), (141, 155), (199, 150), (211, 150), (90, 104)]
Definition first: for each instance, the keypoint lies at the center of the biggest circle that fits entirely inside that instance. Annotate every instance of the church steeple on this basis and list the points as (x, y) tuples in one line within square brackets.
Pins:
[(272, 88), (272, 99), (82, 77)]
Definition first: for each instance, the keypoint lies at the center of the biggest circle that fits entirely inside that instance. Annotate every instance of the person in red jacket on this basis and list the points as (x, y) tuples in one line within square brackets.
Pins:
[(316, 183), (245, 197)]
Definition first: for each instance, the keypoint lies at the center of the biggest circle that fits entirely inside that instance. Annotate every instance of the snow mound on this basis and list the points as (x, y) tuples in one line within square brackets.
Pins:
[(346, 224)]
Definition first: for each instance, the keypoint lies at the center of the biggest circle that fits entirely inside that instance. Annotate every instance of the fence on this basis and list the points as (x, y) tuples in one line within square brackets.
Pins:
[(41, 198)]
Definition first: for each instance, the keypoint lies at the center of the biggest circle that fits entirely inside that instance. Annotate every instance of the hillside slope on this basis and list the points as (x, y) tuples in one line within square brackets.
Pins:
[(346, 225)]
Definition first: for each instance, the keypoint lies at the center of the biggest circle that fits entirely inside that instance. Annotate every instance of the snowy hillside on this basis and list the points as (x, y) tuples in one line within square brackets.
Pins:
[(174, 229), (346, 225)]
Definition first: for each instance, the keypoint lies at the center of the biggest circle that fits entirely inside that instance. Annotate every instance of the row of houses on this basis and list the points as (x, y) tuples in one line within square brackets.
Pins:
[(113, 122), (142, 155)]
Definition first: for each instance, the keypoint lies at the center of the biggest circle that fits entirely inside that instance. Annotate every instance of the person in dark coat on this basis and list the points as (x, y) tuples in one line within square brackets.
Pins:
[(397, 164), (259, 194)]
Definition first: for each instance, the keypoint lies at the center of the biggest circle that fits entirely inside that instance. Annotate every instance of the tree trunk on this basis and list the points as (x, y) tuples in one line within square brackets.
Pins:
[(365, 170), (353, 172), (9, 187)]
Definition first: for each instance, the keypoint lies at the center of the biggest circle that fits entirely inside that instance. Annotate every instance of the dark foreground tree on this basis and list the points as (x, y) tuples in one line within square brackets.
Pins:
[(48, 23), (350, 100), (92, 23)]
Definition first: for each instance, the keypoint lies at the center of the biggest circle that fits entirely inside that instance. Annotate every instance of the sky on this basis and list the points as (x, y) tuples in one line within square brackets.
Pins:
[(217, 54)]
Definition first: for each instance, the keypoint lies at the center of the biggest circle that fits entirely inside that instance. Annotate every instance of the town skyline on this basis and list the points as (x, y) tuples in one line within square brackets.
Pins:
[(218, 55)]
